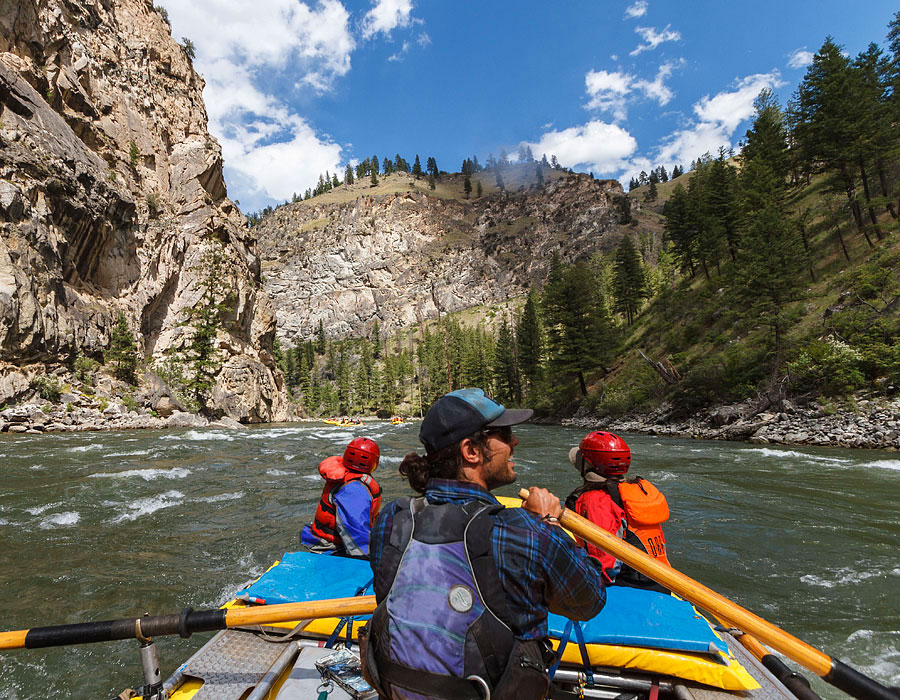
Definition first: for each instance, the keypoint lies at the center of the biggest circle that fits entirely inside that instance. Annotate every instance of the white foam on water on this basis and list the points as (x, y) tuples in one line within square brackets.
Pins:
[(87, 448), (844, 576), (145, 474), (880, 651), (390, 459), (37, 467), (136, 453), (200, 435), (768, 452), (893, 464), (311, 477), (273, 433), (3, 521), (288, 458), (59, 520), (146, 506), (222, 497), (278, 472), (42, 509)]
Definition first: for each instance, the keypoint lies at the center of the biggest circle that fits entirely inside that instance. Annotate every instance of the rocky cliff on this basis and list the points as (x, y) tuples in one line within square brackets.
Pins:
[(349, 258), (111, 198)]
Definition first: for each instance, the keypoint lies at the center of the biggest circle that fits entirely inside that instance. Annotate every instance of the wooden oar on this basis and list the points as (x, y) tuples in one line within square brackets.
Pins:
[(830, 669), (185, 624)]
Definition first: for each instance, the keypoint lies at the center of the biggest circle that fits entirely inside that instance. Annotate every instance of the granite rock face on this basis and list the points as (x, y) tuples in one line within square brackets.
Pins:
[(402, 258), (112, 196)]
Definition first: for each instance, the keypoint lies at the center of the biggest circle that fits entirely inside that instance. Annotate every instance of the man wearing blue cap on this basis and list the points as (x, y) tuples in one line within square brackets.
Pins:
[(463, 584)]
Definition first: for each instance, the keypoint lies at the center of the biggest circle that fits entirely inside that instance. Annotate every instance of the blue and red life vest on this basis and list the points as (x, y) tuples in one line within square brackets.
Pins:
[(337, 475), (441, 626)]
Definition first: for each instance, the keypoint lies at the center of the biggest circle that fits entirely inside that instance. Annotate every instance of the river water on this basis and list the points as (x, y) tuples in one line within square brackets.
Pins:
[(106, 525)]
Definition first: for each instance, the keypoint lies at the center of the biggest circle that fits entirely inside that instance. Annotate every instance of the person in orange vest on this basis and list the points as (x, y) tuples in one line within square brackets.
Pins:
[(350, 501), (632, 509)]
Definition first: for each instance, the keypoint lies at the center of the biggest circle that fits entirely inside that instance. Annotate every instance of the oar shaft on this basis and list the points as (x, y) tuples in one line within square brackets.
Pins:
[(184, 624), (820, 663)]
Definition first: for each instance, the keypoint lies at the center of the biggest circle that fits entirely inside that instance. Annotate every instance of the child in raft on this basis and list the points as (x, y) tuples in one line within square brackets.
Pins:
[(632, 509)]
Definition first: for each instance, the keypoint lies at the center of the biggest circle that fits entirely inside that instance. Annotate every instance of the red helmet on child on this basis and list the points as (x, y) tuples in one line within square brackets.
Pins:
[(607, 453), (362, 455)]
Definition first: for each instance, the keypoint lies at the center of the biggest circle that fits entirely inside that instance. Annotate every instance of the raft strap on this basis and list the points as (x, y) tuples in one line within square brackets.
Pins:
[(585, 658)]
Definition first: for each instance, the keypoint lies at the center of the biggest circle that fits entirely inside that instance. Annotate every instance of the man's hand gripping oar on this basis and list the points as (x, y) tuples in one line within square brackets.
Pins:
[(830, 669)]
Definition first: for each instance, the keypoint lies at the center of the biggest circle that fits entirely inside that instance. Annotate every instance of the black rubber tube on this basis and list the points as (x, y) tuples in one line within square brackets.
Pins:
[(187, 623), (856, 684), (791, 680)]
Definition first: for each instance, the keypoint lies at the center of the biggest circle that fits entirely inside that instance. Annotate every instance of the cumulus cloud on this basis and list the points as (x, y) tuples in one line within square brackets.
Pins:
[(653, 38), (596, 146), (268, 148), (717, 118), (386, 16), (609, 91), (638, 9), (800, 58)]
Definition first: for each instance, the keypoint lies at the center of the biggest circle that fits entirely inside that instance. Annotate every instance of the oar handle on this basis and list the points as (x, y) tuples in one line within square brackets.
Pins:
[(184, 624), (820, 663)]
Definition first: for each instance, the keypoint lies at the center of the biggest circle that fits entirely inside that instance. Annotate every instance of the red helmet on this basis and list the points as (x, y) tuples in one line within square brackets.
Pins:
[(607, 453), (362, 455)]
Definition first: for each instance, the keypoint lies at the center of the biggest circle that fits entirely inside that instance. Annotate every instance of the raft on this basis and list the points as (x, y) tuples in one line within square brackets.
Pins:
[(342, 424), (641, 640)]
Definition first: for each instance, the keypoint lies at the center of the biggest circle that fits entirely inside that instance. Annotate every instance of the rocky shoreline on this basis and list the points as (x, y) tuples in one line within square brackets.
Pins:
[(868, 422), (864, 421)]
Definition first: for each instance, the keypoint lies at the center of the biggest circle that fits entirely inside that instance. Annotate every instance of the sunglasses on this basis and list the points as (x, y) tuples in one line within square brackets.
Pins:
[(505, 433)]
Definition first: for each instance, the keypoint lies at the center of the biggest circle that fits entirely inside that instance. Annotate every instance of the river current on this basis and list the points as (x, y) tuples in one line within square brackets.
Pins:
[(96, 526)]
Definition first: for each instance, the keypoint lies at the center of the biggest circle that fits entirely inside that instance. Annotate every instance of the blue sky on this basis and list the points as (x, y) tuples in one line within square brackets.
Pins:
[(294, 88)]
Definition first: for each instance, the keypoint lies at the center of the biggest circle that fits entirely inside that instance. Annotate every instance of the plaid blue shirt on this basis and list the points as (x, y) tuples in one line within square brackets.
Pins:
[(539, 565)]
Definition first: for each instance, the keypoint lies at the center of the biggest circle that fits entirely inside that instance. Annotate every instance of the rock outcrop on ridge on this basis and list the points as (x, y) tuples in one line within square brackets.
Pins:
[(111, 198), (402, 258)]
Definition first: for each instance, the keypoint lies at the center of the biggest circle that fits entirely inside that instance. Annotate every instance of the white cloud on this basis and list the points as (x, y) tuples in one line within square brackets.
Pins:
[(638, 9), (596, 146), (269, 149), (653, 38), (800, 58), (609, 91), (656, 88), (718, 117), (386, 16)]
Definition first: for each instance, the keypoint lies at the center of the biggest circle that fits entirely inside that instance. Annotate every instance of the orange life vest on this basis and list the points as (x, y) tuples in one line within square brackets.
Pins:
[(646, 509), (337, 475)]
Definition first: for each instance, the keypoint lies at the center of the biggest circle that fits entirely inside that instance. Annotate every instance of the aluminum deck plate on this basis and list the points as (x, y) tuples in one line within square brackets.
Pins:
[(233, 663)]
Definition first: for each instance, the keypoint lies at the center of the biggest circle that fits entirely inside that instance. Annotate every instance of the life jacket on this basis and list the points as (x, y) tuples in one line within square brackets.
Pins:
[(592, 501), (336, 475), (442, 618), (646, 509)]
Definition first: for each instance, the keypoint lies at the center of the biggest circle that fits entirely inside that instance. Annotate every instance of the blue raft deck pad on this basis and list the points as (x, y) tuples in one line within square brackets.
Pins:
[(631, 617)]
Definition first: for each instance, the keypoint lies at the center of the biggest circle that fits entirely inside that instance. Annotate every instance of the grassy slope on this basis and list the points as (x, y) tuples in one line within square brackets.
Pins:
[(697, 324)]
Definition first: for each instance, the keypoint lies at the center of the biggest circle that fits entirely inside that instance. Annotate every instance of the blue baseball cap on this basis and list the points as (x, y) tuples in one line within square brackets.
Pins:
[(460, 413)]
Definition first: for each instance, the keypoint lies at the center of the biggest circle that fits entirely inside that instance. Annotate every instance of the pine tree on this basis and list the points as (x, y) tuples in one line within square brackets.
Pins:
[(679, 228), (479, 189), (630, 284), (431, 183), (768, 275), (417, 168), (580, 334), (467, 186), (321, 339), (529, 341), (506, 366), (122, 351), (205, 319)]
